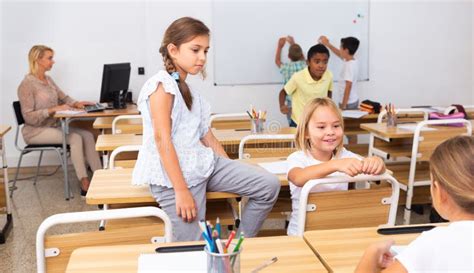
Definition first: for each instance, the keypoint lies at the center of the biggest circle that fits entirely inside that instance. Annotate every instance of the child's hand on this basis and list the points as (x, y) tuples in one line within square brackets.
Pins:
[(281, 42), (349, 166), (323, 40), (290, 40), (185, 206), (284, 109), (373, 165), (382, 252)]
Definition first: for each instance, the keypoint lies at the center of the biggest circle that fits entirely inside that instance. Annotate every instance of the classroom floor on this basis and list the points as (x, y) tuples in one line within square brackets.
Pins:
[(32, 204)]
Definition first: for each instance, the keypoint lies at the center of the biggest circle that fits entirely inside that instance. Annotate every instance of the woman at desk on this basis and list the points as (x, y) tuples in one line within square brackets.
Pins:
[(40, 99)]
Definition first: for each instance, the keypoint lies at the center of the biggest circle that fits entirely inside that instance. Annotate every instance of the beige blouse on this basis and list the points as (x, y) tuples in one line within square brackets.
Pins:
[(35, 98)]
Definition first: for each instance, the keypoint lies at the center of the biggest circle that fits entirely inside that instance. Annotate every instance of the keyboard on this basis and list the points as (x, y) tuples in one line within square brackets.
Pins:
[(94, 108)]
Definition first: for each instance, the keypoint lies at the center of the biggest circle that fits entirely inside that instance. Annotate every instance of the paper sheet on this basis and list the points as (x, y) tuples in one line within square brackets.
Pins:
[(412, 127), (277, 167), (194, 262), (70, 112), (397, 249), (353, 114)]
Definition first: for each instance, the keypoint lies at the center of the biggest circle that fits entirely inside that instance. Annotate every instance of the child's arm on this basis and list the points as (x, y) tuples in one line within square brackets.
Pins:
[(209, 140), (281, 43), (161, 105), (325, 41), (349, 166), (281, 100), (377, 258), (373, 165), (347, 92)]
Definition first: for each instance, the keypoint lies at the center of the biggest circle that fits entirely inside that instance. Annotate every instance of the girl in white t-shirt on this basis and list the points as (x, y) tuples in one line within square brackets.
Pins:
[(447, 248), (321, 153)]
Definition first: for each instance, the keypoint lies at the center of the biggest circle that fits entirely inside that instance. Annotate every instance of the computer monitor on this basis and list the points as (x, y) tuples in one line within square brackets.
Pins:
[(115, 80)]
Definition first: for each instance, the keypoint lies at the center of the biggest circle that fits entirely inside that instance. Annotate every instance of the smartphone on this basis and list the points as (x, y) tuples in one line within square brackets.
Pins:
[(185, 248), (404, 230)]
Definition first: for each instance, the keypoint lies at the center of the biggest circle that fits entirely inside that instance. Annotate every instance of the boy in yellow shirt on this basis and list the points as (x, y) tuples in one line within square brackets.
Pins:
[(315, 81)]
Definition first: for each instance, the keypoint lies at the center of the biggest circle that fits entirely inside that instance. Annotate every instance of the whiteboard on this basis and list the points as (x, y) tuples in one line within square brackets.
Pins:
[(245, 35)]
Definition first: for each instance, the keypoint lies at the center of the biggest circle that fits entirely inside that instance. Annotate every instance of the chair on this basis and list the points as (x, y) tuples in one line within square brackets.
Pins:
[(53, 252), (267, 145), (238, 121), (348, 209), (133, 125), (424, 143), (58, 148), (403, 115)]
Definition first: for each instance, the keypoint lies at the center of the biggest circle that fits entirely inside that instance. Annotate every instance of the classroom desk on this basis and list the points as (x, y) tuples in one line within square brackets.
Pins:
[(396, 141), (293, 254), (340, 250), (352, 125), (115, 187), (108, 143), (130, 126), (65, 119), (5, 202)]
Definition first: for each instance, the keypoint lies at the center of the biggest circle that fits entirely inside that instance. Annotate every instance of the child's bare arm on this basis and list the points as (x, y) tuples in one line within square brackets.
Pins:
[(349, 166), (281, 43), (325, 41), (160, 105), (209, 140), (347, 92), (377, 258)]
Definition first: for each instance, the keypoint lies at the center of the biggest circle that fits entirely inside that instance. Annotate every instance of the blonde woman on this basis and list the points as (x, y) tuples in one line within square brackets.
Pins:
[(443, 249), (40, 99), (319, 141)]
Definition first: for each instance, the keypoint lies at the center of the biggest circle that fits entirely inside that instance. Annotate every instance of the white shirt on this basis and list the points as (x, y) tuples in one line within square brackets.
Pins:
[(300, 159), (442, 249), (187, 128), (349, 72)]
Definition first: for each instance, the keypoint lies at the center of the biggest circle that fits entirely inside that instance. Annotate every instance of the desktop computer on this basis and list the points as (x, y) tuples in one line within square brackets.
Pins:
[(115, 81)]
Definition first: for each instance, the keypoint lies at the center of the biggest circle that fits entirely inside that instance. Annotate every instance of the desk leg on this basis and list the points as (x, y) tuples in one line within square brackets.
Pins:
[(8, 225), (64, 127)]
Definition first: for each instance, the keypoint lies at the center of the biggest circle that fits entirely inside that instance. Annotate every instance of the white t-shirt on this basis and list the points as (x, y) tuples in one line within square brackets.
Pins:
[(443, 249), (349, 72), (300, 159)]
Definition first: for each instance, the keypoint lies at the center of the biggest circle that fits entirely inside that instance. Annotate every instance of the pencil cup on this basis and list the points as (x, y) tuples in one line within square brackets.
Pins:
[(223, 263), (391, 120), (257, 125)]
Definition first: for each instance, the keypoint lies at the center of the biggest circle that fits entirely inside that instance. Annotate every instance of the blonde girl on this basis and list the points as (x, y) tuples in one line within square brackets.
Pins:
[(180, 158), (447, 248), (319, 140)]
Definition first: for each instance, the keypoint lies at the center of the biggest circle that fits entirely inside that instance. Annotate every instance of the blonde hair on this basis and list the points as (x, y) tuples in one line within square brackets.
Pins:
[(302, 141), (452, 166), (36, 53), (179, 32)]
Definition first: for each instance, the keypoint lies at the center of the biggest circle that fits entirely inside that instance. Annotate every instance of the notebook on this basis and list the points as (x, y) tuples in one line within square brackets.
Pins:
[(177, 262), (277, 167)]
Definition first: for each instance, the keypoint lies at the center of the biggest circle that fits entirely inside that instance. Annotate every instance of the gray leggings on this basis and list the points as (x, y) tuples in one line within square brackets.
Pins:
[(261, 187)]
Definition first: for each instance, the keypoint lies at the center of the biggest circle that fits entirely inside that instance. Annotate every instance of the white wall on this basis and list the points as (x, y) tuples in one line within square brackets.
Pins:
[(420, 51)]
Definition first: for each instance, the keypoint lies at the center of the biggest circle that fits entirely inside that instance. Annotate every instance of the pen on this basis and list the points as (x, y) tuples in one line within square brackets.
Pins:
[(249, 114), (265, 264)]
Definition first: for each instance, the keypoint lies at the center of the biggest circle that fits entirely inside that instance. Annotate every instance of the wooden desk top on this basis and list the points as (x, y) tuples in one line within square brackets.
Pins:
[(110, 142), (130, 110), (382, 130), (115, 187), (342, 249), (106, 123), (4, 129), (233, 137), (293, 254)]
